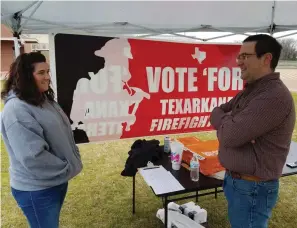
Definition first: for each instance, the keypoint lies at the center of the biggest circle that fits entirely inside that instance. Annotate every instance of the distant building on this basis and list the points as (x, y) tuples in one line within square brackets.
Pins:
[(43, 48), (7, 49)]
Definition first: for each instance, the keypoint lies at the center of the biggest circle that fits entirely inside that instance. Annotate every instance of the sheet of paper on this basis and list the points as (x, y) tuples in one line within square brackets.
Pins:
[(219, 175), (161, 180)]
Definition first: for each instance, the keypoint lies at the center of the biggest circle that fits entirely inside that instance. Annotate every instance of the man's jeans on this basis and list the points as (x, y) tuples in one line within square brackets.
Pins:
[(250, 203), (42, 208)]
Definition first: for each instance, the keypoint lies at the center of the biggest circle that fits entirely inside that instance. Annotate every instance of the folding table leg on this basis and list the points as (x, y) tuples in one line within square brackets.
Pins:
[(196, 196), (133, 197), (166, 211)]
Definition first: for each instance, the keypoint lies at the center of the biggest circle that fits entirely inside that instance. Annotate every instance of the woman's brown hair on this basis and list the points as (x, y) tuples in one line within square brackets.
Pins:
[(21, 80)]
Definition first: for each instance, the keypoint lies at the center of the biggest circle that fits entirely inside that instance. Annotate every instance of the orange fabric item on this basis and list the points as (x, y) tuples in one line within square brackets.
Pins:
[(188, 140), (207, 149)]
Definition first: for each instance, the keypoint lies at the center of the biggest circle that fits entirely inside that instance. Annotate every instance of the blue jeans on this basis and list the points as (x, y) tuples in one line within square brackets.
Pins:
[(250, 203), (42, 208)]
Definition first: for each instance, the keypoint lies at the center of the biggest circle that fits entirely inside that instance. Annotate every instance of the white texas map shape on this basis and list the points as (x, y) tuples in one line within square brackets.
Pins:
[(199, 55)]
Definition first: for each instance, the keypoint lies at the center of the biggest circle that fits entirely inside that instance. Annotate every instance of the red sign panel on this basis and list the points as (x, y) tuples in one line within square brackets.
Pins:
[(141, 87)]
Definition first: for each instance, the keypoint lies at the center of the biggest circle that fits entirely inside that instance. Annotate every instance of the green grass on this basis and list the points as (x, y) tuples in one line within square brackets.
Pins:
[(101, 197), (1, 86)]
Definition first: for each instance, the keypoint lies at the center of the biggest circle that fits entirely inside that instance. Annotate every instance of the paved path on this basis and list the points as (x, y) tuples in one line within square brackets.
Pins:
[(289, 77)]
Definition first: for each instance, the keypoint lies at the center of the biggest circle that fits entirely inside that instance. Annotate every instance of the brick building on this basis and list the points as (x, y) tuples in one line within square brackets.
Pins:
[(7, 48)]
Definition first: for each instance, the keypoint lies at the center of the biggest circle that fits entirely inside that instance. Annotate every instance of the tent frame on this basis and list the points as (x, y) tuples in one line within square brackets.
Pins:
[(17, 27)]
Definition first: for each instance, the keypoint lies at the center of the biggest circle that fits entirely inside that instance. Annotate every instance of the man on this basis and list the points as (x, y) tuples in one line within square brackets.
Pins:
[(254, 130)]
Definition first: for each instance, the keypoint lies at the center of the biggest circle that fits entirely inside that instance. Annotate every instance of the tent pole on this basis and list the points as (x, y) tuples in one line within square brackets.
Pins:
[(95, 26), (165, 32), (224, 36), (28, 7), (196, 29), (209, 27), (16, 22), (292, 27), (184, 36), (84, 29), (286, 35), (234, 33), (55, 23), (272, 25), (17, 51), (212, 38), (36, 7), (18, 29)]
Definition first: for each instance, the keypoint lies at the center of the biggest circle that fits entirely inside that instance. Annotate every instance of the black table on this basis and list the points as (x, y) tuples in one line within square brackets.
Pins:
[(204, 183), (183, 176)]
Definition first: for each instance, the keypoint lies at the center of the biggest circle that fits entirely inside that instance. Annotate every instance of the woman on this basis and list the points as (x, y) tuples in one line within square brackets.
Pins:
[(38, 138)]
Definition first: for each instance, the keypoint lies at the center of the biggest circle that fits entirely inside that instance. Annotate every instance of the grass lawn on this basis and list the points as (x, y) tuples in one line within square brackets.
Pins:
[(1, 86), (101, 197)]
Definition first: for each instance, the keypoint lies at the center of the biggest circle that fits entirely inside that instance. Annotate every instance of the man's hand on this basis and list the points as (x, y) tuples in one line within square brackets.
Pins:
[(216, 117)]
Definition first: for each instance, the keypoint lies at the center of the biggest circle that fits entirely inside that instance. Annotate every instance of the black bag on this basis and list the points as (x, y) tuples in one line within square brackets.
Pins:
[(142, 151)]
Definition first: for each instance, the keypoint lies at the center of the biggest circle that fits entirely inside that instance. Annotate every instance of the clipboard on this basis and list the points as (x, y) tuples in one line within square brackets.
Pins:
[(159, 179)]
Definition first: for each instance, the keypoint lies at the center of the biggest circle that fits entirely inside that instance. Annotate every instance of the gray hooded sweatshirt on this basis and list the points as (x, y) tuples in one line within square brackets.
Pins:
[(40, 144)]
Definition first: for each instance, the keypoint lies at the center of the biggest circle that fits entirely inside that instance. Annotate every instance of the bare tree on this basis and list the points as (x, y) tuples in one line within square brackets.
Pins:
[(289, 51)]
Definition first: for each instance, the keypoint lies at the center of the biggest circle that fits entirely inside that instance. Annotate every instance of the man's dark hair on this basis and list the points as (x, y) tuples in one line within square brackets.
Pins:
[(266, 44), (22, 82)]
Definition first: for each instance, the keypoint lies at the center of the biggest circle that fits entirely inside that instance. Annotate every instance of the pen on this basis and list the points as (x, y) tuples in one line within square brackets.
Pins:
[(151, 168), (186, 166)]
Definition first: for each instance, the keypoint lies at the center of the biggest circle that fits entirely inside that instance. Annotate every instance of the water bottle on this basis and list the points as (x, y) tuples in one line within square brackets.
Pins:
[(194, 168), (166, 144)]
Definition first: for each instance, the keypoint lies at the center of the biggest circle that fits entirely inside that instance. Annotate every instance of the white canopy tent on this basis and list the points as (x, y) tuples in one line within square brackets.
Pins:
[(139, 17), (150, 18)]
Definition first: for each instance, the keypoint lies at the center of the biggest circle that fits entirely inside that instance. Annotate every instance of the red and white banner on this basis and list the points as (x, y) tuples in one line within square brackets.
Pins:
[(141, 87)]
